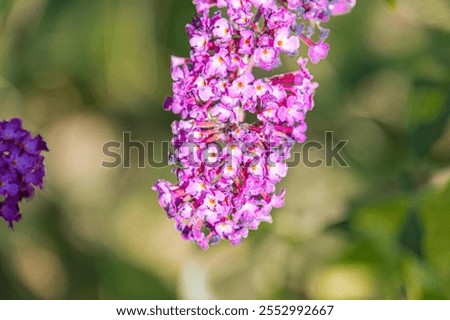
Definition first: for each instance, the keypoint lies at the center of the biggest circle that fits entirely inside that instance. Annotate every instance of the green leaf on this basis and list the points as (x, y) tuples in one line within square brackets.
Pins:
[(421, 281), (435, 206)]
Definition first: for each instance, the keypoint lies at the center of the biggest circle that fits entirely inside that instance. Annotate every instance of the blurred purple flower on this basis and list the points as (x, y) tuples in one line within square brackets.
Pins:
[(21, 167)]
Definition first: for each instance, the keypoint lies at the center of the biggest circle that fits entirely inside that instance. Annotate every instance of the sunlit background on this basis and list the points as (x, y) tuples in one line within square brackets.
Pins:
[(83, 72)]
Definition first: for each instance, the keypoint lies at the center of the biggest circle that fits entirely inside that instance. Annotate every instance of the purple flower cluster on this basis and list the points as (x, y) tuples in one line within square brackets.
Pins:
[(21, 167), (232, 189)]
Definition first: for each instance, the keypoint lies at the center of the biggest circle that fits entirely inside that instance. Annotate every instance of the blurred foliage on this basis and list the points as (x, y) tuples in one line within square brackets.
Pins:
[(391, 3), (83, 72)]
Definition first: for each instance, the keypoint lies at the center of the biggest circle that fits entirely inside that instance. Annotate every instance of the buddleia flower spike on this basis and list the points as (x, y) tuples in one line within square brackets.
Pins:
[(227, 168)]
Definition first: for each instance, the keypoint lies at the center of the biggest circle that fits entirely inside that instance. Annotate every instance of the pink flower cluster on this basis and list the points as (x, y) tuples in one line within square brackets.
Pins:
[(227, 168)]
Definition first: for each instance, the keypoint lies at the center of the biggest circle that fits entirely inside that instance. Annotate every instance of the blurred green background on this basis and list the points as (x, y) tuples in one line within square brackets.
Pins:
[(83, 72)]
